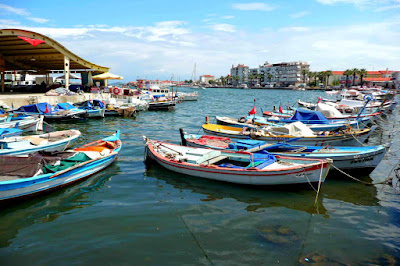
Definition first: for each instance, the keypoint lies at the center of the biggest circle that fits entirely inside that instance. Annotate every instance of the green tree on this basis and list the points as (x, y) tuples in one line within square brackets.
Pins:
[(223, 80), (304, 73), (362, 72), (354, 72), (211, 81), (328, 73), (347, 73), (269, 76)]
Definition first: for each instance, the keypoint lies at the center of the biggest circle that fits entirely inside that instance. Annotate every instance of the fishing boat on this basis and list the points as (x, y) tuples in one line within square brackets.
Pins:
[(157, 102), (23, 176), (317, 123), (26, 123), (93, 108), (60, 112), (296, 132), (236, 167), (49, 142), (357, 159)]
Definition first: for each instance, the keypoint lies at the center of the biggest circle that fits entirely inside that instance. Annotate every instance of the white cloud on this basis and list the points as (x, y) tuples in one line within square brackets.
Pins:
[(295, 29), (223, 27), (228, 17), (9, 22), (299, 14), (374, 5), (253, 7), (18, 11), (38, 20)]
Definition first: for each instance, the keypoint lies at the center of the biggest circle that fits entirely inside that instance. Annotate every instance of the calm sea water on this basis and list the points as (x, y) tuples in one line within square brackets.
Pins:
[(128, 214)]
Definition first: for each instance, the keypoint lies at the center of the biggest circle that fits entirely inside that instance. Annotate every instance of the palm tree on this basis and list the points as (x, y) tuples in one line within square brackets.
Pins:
[(354, 72), (251, 77), (237, 78), (347, 73), (328, 73), (269, 76), (259, 77), (362, 72), (304, 73), (222, 79)]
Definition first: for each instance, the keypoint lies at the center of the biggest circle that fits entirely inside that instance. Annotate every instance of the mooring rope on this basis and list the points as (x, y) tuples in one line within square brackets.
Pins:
[(356, 179)]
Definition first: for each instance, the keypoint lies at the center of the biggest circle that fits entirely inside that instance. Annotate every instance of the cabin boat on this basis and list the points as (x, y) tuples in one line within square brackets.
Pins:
[(26, 176), (236, 167), (93, 108)]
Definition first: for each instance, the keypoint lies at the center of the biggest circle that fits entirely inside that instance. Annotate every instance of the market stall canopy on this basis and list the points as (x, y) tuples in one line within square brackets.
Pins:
[(26, 50), (106, 75)]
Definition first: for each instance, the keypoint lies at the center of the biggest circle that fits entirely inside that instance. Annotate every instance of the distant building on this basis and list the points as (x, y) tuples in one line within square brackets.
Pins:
[(283, 74), (381, 77), (205, 79), (239, 74), (280, 74)]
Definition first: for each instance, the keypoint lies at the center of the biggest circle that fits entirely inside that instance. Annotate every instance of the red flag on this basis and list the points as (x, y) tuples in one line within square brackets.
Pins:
[(319, 99), (47, 110), (253, 111), (34, 42), (280, 110)]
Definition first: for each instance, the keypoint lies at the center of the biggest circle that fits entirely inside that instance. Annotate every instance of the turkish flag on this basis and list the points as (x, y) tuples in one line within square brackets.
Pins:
[(47, 110), (280, 110), (319, 99), (253, 111)]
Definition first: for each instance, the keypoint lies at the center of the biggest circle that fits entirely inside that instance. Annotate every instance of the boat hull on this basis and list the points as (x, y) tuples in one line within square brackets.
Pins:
[(306, 174), (348, 140), (32, 186)]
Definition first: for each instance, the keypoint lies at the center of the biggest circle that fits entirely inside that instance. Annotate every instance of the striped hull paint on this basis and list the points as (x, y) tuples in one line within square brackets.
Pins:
[(292, 175)]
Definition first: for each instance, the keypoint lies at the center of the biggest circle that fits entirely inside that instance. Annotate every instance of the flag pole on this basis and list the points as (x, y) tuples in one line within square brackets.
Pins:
[(254, 115)]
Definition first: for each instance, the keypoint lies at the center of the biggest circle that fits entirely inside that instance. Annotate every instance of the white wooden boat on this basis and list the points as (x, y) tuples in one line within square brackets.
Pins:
[(236, 167), (26, 124), (296, 132), (49, 142), (22, 176), (357, 159)]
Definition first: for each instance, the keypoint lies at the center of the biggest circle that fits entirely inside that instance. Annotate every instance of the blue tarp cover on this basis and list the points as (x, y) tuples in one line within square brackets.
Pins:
[(65, 106), (309, 117), (39, 108), (98, 103)]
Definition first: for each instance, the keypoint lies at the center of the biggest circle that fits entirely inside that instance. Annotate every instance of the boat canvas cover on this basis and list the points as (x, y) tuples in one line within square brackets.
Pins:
[(328, 110), (351, 103), (296, 129), (65, 106), (313, 117), (39, 108)]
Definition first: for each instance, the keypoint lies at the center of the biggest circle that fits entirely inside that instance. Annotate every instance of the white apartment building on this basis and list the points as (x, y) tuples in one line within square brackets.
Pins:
[(280, 74), (205, 79), (283, 74), (242, 72)]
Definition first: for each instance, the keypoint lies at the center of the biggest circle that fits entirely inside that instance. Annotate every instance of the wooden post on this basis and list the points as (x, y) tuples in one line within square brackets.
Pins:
[(66, 72), (2, 70)]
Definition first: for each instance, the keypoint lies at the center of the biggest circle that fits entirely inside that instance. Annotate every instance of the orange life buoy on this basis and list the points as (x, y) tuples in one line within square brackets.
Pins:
[(116, 90)]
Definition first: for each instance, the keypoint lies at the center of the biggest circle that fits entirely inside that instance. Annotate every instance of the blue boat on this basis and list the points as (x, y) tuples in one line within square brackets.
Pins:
[(48, 111), (22, 177), (363, 159), (93, 108)]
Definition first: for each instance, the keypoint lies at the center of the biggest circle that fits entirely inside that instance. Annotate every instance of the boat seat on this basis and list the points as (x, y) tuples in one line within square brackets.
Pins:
[(214, 160), (36, 140)]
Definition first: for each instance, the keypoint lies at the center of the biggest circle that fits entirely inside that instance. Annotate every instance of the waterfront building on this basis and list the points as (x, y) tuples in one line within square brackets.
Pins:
[(239, 74), (205, 79), (279, 75), (380, 77)]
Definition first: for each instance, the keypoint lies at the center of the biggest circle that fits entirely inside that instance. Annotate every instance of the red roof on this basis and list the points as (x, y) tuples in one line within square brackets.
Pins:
[(207, 76), (337, 72), (376, 79)]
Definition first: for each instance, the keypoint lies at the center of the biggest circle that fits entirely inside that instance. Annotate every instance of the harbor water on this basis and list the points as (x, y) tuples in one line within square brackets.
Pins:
[(136, 215)]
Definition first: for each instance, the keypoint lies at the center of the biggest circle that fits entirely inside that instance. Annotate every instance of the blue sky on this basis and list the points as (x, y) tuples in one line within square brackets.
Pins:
[(158, 39)]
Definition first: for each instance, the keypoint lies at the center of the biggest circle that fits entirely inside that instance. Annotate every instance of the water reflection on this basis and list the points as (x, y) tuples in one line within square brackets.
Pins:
[(256, 198), (47, 208)]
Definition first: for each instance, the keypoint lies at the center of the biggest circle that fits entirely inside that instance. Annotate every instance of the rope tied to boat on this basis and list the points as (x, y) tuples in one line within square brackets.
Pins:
[(361, 181)]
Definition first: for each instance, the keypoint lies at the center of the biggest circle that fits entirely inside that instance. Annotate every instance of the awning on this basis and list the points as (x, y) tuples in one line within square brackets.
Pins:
[(106, 75), (71, 76)]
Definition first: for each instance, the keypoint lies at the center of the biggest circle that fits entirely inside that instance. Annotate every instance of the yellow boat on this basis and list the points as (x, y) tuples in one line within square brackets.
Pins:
[(295, 132)]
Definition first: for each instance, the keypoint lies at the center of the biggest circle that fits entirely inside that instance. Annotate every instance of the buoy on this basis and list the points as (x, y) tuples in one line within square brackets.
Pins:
[(116, 90), (206, 119)]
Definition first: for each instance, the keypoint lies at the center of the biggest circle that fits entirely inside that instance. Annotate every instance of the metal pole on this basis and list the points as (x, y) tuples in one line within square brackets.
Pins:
[(66, 72)]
